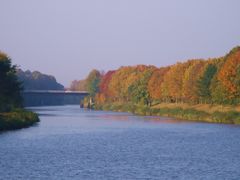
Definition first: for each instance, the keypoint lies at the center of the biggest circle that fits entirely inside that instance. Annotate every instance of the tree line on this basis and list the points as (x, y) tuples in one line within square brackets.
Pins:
[(215, 80), (38, 81)]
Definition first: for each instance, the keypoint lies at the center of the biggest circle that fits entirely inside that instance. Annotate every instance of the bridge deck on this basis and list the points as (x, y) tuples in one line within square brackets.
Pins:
[(52, 97)]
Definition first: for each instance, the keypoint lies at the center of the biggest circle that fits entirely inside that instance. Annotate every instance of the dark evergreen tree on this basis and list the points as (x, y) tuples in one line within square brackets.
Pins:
[(10, 87)]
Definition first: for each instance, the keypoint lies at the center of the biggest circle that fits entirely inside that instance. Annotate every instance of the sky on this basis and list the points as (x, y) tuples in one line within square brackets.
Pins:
[(69, 38)]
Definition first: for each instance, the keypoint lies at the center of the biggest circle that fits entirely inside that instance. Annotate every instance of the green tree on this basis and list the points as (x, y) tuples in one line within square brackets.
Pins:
[(218, 92), (138, 90), (203, 84), (93, 81), (10, 87)]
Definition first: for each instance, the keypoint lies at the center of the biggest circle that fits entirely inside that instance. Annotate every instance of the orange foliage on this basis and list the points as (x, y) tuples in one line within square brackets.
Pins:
[(100, 98), (173, 81), (228, 74), (105, 83), (179, 82), (190, 79), (155, 82), (123, 78)]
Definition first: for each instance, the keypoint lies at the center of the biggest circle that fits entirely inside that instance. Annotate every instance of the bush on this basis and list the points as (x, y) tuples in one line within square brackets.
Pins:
[(231, 117), (17, 119)]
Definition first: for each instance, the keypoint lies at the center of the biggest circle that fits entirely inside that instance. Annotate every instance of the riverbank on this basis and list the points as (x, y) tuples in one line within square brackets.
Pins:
[(202, 113), (17, 119)]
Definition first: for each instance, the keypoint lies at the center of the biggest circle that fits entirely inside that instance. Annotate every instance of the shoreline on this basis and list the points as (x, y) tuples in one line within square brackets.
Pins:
[(189, 114)]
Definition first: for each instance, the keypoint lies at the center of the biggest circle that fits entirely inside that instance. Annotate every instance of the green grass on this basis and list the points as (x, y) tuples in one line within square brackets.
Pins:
[(17, 119), (191, 114)]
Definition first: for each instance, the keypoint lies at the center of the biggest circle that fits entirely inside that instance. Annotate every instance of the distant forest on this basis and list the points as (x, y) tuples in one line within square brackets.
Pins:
[(211, 81), (38, 81)]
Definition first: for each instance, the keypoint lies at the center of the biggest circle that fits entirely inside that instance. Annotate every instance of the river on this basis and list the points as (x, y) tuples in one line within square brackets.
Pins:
[(73, 143)]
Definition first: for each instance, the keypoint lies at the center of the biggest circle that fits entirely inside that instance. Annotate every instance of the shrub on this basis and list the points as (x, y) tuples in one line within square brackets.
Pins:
[(17, 119)]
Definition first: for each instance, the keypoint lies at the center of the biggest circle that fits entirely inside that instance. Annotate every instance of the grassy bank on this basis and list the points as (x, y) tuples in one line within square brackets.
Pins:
[(17, 119), (213, 114)]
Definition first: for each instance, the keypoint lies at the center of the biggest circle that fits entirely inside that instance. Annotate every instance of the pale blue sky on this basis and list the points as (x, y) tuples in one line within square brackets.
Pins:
[(68, 38)]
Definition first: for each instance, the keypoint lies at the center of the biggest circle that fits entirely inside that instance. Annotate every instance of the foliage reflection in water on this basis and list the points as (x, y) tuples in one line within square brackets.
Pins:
[(71, 143)]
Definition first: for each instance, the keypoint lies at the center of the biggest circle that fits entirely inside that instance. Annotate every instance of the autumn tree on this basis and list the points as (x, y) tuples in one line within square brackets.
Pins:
[(120, 82), (124, 82), (104, 84), (173, 82), (190, 78), (229, 74), (104, 93), (78, 85), (155, 83)]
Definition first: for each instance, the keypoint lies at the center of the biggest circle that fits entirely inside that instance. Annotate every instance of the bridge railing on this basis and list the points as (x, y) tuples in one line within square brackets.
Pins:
[(54, 91)]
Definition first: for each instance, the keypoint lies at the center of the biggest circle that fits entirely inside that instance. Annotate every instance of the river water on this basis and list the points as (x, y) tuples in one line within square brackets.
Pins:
[(72, 143)]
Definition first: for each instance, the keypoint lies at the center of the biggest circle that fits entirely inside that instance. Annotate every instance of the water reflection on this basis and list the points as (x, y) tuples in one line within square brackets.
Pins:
[(70, 143)]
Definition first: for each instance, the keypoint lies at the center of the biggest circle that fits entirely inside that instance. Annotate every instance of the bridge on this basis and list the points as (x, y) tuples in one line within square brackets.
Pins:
[(52, 97)]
